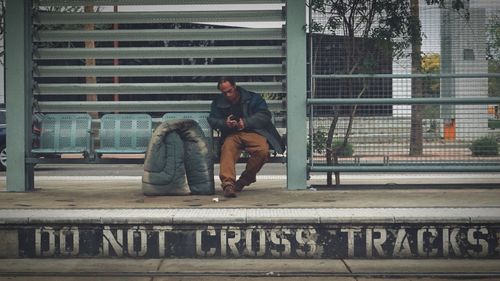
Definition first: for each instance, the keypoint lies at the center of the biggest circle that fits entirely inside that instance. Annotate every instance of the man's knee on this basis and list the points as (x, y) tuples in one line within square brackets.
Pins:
[(230, 139), (261, 152), (230, 142)]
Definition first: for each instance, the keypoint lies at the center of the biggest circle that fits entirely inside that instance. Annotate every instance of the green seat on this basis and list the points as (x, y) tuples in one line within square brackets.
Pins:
[(199, 117), (65, 133), (124, 133)]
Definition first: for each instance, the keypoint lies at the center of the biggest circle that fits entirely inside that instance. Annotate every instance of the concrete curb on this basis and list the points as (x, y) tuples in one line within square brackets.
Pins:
[(251, 215)]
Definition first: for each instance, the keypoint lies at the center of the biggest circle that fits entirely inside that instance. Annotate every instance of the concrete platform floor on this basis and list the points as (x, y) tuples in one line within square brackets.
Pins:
[(357, 191), (480, 190)]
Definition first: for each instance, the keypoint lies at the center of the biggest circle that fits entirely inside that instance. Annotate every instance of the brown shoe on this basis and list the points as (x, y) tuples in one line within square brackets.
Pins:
[(229, 191), (240, 184)]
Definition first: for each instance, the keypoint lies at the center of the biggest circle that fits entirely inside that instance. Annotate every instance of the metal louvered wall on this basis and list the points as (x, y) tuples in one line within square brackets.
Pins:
[(155, 56)]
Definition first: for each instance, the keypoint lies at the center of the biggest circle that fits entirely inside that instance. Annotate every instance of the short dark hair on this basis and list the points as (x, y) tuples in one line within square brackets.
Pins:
[(226, 79)]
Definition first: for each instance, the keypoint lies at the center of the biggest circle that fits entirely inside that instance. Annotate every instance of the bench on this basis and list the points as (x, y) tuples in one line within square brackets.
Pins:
[(199, 117), (65, 133), (118, 134), (124, 134)]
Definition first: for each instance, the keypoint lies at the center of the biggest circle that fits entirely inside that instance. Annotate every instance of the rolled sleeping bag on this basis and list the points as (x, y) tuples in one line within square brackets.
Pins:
[(178, 160)]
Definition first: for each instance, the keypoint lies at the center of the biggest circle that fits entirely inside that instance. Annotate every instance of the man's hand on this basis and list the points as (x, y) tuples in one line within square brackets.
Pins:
[(241, 124), (231, 122)]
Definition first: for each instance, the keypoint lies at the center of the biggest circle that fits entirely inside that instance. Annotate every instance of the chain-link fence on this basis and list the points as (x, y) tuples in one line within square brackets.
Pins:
[(383, 95)]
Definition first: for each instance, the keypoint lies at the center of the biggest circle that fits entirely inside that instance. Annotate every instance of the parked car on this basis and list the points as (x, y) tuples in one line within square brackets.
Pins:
[(3, 136)]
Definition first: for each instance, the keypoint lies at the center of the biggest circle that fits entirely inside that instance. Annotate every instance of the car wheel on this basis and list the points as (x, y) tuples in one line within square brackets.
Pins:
[(3, 157)]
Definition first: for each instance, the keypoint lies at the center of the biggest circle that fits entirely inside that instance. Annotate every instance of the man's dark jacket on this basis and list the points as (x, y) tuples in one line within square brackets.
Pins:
[(256, 117)]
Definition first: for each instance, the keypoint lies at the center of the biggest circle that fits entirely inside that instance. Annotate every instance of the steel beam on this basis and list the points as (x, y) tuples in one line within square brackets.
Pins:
[(160, 34), (152, 2), (18, 94), (160, 70), (151, 88), (161, 52), (135, 106), (296, 95), (49, 18)]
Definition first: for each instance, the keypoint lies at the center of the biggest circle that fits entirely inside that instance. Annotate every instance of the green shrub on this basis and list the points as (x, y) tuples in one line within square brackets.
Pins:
[(485, 146), (346, 151), (319, 143)]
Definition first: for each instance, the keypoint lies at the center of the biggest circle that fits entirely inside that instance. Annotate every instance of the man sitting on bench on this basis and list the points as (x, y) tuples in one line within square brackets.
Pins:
[(244, 121)]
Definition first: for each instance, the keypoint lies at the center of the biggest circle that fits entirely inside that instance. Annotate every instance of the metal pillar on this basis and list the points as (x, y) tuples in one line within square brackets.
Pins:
[(18, 89), (296, 94)]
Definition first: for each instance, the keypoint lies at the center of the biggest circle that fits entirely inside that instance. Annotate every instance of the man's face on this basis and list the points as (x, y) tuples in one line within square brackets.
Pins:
[(229, 91)]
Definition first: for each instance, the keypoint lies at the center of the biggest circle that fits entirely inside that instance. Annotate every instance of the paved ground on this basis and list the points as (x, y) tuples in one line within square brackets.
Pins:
[(248, 269), (118, 190), (125, 192)]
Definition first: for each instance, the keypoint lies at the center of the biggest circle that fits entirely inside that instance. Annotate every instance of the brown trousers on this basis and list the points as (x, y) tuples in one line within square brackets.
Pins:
[(254, 144)]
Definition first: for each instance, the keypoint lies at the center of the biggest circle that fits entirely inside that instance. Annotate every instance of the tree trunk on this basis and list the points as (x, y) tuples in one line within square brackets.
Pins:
[(416, 132), (116, 79), (330, 155), (90, 62)]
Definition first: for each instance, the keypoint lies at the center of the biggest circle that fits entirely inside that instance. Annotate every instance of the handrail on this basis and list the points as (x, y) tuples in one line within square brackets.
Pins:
[(341, 101), (407, 76), (427, 167)]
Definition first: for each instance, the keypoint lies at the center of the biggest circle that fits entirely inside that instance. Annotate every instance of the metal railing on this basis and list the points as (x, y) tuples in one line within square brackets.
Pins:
[(383, 132)]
